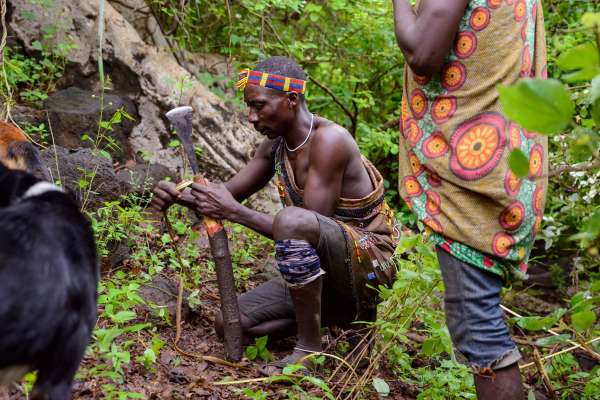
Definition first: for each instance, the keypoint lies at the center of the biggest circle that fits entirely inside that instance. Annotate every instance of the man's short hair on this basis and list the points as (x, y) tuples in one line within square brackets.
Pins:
[(281, 65)]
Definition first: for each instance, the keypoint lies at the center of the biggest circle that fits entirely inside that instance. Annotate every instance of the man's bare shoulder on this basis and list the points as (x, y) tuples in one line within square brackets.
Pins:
[(330, 137)]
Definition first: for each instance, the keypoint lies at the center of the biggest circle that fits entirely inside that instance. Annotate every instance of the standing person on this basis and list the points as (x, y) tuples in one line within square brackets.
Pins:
[(335, 235), (454, 173)]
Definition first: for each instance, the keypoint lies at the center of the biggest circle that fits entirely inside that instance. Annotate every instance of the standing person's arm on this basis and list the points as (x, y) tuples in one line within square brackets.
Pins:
[(426, 36)]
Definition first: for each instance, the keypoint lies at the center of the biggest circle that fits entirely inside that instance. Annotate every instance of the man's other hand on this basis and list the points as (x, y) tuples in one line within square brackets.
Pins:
[(166, 193), (214, 200)]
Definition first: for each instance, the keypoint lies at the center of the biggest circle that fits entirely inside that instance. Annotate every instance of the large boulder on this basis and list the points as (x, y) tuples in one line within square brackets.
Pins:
[(90, 177), (74, 112), (151, 75)]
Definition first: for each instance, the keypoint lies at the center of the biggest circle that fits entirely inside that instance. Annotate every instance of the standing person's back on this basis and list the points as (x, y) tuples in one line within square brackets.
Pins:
[(454, 172)]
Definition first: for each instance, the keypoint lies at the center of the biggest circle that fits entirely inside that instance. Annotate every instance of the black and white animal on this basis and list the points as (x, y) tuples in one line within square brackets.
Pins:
[(48, 284)]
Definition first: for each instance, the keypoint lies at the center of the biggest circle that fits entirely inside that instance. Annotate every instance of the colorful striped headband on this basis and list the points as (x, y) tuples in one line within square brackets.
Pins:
[(272, 81)]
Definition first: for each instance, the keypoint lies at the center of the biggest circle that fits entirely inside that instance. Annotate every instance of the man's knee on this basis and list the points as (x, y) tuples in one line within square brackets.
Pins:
[(296, 223)]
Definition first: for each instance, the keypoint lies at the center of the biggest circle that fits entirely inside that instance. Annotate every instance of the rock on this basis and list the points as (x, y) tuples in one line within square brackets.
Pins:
[(74, 112), (162, 292), (24, 115), (532, 304), (143, 177), (90, 177), (226, 139)]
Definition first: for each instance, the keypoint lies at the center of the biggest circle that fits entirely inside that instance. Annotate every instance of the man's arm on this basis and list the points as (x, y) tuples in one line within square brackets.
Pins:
[(254, 175), (250, 179), (425, 37)]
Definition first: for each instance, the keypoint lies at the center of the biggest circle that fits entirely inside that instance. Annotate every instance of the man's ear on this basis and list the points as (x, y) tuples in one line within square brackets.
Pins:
[(293, 99)]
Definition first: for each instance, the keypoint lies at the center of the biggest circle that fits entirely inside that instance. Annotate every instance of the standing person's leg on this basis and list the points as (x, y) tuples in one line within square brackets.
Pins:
[(479, 333)]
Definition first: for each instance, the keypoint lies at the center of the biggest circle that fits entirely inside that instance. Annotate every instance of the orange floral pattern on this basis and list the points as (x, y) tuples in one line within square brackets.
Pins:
[(494, 3), (465, 45), (520, 10), (422, 79), (416, 165), (434, 224), (412, 186), (536, 161), (443, 108), (512, 184), (432, 205), (512, 216), (435, 146), (480, 18), (538, 201), (477, 146), (514, 135), (418, 103), (454, 75), (525, 63), (413, 132), (433, 179), (502, 243)]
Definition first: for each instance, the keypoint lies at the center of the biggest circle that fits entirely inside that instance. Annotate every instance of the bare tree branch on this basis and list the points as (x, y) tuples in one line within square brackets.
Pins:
[(586, 166)]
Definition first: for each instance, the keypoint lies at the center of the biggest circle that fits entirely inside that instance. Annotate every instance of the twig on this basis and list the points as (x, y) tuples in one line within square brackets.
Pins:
[(583, 347), (333, 97), (559, 353), (586, 166), (542, 371)]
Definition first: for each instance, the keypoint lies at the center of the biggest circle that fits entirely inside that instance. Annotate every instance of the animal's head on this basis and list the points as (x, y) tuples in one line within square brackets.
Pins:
[(14, 184), (18, 153)]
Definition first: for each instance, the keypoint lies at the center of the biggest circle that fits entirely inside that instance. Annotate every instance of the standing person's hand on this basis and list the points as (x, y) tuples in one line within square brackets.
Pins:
[(166, 194), (214, 200)]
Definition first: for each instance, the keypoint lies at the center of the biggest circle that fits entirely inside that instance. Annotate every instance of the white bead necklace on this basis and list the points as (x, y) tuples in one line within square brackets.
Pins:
[(312, 118)]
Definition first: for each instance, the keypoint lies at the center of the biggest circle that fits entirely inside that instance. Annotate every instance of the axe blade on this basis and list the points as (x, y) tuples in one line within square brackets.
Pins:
[(181, 119)]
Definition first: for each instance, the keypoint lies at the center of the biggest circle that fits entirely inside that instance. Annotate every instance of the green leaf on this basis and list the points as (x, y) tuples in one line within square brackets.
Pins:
[(540, 323), (383, 389), (123, 316), (583, 320), (590, 20), (595, 100), (251, 352), (542, 106), (518, 163), (582, 60), (552, 340), (291, 368)]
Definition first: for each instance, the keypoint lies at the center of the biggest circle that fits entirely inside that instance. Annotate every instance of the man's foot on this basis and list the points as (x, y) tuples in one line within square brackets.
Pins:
[(298, 356)]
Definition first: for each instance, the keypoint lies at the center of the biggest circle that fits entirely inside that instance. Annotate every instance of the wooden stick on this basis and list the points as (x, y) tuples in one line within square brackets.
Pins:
[(542, 371), (549, 356), (219, 246), (585, 348)]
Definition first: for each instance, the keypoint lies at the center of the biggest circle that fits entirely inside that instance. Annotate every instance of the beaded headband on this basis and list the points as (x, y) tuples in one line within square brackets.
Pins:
[(272, 81)]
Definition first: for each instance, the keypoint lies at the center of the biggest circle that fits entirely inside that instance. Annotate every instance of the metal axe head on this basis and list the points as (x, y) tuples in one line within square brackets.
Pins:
[(181, 119)]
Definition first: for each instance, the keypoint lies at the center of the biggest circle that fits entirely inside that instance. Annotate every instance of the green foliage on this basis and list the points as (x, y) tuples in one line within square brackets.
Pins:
[(537, 105), (259, 349), (518, 163)]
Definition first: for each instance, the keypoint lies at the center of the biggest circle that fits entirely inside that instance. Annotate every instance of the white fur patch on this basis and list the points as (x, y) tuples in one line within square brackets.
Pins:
[(40, 188)]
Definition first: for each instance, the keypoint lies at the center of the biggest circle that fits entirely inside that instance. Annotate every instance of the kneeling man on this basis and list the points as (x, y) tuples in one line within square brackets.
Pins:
[(335, 234)]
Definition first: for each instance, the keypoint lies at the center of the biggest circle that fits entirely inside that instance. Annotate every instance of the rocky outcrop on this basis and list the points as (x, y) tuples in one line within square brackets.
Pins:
[(91, 178), (149, 75), (75, 113)]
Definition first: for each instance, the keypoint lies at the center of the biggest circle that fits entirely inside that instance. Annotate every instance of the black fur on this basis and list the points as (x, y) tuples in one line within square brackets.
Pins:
[(48, 284)]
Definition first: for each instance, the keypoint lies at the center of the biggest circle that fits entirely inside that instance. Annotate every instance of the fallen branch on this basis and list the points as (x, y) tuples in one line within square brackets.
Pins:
[(586, 166), (585, 348), (542, 371), (559, 353)]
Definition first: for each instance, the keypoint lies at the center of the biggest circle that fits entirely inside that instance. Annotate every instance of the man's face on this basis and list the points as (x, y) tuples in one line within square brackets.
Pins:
[(269, 110)]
